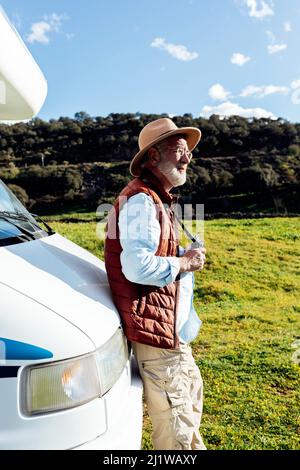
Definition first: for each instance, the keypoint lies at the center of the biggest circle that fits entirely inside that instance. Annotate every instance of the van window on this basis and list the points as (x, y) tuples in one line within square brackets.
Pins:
[(17, 225), (9, 202)]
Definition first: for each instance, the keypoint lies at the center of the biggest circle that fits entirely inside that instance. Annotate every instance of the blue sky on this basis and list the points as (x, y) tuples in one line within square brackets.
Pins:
[(165, 56)]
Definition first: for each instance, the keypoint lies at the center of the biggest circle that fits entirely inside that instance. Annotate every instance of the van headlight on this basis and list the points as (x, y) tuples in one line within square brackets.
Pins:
[(61, 385), (111, 360)]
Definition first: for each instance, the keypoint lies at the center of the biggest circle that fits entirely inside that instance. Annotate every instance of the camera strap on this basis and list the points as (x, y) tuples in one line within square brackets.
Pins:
[(186, 231)]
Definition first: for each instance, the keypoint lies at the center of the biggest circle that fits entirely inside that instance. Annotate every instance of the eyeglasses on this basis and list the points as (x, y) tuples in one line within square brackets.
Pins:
[(180, 152)]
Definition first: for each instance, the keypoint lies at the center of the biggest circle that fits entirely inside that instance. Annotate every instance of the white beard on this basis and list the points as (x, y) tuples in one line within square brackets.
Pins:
[(170, 171)]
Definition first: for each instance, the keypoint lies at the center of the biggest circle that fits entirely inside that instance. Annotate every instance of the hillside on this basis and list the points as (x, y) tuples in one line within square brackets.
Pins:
[(240, 165)]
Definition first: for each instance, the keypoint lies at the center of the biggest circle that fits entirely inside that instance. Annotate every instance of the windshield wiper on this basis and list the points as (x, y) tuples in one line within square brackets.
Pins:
[(7, 218), (24, 218), (14, 215), (50, 230)]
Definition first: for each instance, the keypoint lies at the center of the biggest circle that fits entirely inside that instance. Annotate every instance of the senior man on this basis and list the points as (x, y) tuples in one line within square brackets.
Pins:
[(151, 280)]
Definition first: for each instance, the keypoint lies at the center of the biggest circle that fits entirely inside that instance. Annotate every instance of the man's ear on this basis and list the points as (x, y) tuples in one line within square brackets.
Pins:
[(153, 156)]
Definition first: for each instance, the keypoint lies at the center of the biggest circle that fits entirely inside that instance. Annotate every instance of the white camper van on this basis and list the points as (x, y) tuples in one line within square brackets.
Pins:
[(67, 377)]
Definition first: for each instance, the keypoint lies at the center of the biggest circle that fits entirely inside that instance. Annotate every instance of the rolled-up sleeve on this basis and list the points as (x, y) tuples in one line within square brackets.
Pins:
[(139, 238)]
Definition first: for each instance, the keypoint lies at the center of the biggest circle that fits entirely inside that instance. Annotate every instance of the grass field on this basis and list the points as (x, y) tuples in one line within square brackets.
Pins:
[(248, 297)]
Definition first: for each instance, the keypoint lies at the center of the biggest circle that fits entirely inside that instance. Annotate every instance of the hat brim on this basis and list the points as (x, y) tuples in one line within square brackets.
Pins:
[(192, 134)]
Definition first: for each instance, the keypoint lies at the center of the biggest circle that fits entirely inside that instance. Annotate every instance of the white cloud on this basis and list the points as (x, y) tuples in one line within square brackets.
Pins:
[(259, 8), (287, 26), (274, 48), (295, 84), (296, 96), (262, 91), (40, 31), (239, 59), (271, 36), (178, 51), (217, 92), (228, 109)]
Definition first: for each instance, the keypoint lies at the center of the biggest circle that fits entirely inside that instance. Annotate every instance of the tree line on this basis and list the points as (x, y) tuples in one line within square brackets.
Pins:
[(241, 164)]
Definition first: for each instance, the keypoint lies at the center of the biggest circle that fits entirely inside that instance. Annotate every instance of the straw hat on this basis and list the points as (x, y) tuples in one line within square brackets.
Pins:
[(155, 132)]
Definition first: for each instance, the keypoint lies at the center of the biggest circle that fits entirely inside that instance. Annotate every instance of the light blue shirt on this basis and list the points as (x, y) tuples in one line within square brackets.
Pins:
[(139, 238)]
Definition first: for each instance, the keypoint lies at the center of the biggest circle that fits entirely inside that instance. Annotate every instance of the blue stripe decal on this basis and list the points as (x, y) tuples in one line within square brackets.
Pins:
[(16, 350)]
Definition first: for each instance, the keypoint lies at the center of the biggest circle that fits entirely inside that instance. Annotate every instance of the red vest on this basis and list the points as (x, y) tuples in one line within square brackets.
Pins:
[(148, 313)]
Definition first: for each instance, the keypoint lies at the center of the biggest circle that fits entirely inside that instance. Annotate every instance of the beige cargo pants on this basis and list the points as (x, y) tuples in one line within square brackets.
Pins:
[(173, 390)]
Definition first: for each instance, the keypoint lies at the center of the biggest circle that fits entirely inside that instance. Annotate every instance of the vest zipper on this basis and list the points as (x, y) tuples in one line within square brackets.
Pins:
[(141, 291), (177, 284), (139, 302)]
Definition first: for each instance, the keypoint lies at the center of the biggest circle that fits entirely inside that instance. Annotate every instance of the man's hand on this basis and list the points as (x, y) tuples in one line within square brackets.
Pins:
[(192, 260)]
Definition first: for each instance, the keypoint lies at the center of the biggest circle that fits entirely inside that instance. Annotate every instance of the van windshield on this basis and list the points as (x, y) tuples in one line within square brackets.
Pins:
[(17, 225)]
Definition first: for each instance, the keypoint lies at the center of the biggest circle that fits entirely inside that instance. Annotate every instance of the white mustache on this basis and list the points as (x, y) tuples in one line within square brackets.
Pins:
[(172, 173)]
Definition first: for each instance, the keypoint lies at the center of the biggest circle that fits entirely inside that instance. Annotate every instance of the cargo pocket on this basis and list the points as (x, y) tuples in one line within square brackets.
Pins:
[(166, 397), (161, 372), (181, 413), (174, 388), (165, 376)]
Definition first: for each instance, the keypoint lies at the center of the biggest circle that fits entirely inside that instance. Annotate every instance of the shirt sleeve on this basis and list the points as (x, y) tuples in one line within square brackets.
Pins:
[(139, 238)]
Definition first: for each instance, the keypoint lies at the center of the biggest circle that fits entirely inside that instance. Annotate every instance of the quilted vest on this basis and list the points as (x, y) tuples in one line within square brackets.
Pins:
[(148, 313)]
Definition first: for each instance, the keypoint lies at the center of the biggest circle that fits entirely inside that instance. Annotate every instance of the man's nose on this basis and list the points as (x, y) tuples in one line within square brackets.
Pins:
[(185, 157)]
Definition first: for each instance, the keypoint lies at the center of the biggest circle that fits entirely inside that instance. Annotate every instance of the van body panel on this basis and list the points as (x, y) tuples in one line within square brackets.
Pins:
[(64, 278), (24, 320), (23, 87), (55, 304)]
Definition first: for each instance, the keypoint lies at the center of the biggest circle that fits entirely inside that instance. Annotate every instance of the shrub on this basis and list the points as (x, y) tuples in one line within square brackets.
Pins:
[(20, 193)]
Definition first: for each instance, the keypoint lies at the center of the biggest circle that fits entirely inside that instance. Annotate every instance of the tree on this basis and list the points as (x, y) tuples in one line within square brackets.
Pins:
[(20, 193), (81, 116)]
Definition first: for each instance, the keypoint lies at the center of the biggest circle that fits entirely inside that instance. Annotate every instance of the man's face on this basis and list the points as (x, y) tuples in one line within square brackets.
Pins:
[(175, 157)]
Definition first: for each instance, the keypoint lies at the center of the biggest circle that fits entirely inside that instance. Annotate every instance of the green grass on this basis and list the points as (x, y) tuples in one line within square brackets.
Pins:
[(248, 297), (82, 215)]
